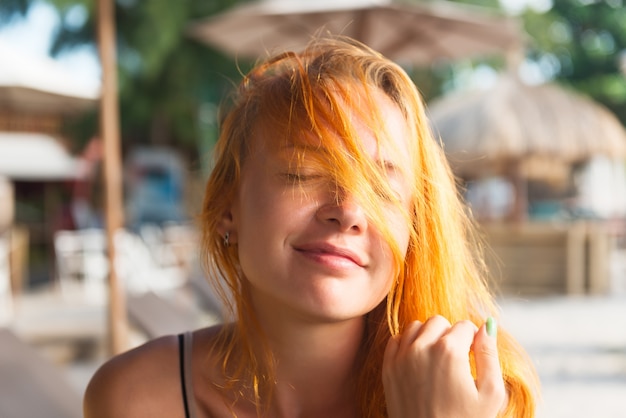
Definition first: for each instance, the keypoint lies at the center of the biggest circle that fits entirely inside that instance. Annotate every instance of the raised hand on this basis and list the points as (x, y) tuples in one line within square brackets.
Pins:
[(427, 374)]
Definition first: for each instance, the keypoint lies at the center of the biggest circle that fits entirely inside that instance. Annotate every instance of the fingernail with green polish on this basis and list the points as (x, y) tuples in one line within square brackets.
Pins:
[(491, 326)]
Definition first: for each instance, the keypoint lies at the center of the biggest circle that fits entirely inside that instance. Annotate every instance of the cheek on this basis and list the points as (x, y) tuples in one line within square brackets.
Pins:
[(400, 230), (388, 270), (253, 217), (402, 238), (266, 212)]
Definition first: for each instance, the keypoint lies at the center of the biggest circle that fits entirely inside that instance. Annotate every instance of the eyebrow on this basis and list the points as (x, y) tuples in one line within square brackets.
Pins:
[(388, 165)]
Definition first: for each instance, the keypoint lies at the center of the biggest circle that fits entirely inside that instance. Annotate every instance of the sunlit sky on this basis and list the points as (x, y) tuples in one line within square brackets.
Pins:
[(32, 36)]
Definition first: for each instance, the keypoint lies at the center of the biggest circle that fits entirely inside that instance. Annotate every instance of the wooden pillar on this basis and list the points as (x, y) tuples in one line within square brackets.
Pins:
[(575, 259), (599, 256), (109, 130), (520, 185)]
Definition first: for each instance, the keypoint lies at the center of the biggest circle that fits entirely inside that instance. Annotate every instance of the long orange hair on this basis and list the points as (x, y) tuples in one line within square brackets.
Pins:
[(442, 272)]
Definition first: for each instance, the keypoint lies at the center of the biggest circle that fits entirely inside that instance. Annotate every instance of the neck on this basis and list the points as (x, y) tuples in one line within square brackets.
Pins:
[(315, 365)]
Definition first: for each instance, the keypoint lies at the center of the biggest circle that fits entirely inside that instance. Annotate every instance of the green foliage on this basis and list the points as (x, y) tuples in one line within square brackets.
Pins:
[(163, 74), (584, 40), (489, 4), (165, 77), (10, 9)]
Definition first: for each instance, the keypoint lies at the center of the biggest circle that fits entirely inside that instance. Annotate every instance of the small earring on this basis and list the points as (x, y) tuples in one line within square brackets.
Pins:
[(226, 237)]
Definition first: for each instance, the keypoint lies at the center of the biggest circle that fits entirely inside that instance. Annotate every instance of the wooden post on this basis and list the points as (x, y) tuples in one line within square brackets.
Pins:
[(520, 185), (109, 130), (599, 255), (575, 259)]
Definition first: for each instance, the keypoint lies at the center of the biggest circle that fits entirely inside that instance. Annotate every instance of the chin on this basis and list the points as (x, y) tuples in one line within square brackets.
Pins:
[(337, 312)]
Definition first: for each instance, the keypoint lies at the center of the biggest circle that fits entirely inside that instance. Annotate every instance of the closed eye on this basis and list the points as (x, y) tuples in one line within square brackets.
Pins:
[(395, 181), (301, 177)]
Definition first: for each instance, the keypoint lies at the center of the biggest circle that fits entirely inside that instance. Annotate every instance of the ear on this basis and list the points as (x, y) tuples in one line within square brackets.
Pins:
[(226, 225)]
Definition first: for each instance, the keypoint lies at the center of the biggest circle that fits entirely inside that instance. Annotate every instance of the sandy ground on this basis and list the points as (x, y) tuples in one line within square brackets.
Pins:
[(578, 345)]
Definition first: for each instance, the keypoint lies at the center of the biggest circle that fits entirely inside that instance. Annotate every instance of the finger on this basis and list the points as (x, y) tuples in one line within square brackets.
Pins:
[(489, 380), (391, 350), (464, 330), (395, 344), (409, 334), (456, 344), (460, 335), (433, 329)]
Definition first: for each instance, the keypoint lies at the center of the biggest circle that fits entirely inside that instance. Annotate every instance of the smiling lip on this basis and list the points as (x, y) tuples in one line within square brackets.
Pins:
[(325, 249)]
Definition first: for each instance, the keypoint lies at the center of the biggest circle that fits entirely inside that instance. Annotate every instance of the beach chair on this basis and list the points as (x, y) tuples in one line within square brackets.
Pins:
[(139, 269), (31, 386), (81, 259)]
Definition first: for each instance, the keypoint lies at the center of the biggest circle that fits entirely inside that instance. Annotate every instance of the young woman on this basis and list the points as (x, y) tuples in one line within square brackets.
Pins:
[(332, 226)]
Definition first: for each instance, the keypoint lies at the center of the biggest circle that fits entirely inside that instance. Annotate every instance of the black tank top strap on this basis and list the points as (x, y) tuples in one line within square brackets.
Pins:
[(185, 346)]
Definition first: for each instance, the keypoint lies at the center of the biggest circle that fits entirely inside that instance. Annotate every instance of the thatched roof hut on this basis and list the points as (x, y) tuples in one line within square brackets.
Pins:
[(36, 97), (539, 131), (41, 86)]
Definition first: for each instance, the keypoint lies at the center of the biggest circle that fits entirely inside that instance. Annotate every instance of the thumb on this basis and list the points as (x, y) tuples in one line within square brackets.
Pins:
[(489, 380)]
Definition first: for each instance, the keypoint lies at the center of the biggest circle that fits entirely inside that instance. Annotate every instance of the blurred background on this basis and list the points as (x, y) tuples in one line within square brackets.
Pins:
[(528, 98)]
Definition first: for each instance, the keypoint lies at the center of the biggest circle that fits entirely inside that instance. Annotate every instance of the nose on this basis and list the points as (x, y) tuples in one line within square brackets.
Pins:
[(345, 214)]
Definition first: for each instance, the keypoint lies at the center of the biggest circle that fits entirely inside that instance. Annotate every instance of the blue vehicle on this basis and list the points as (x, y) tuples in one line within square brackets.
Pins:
[(154, 187)]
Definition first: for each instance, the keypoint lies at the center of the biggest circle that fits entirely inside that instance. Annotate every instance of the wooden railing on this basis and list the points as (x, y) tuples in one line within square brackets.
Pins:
[(540, 258)]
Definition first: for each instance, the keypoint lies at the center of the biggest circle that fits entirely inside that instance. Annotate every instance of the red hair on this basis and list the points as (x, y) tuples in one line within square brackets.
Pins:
[(442, 272)]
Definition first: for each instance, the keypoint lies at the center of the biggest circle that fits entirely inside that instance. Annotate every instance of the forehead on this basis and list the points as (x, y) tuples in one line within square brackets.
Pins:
[(385, 139), (366, 121)]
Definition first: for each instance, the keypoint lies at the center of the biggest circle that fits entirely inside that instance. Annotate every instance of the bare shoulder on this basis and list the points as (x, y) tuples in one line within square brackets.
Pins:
[(142, 382)]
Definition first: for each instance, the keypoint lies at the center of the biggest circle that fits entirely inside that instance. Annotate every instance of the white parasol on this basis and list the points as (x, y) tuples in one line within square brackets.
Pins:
[(409, 33)]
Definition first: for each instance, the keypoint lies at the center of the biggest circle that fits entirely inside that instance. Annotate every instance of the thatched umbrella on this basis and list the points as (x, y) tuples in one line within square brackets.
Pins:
[(40, 86), (523, 131)]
